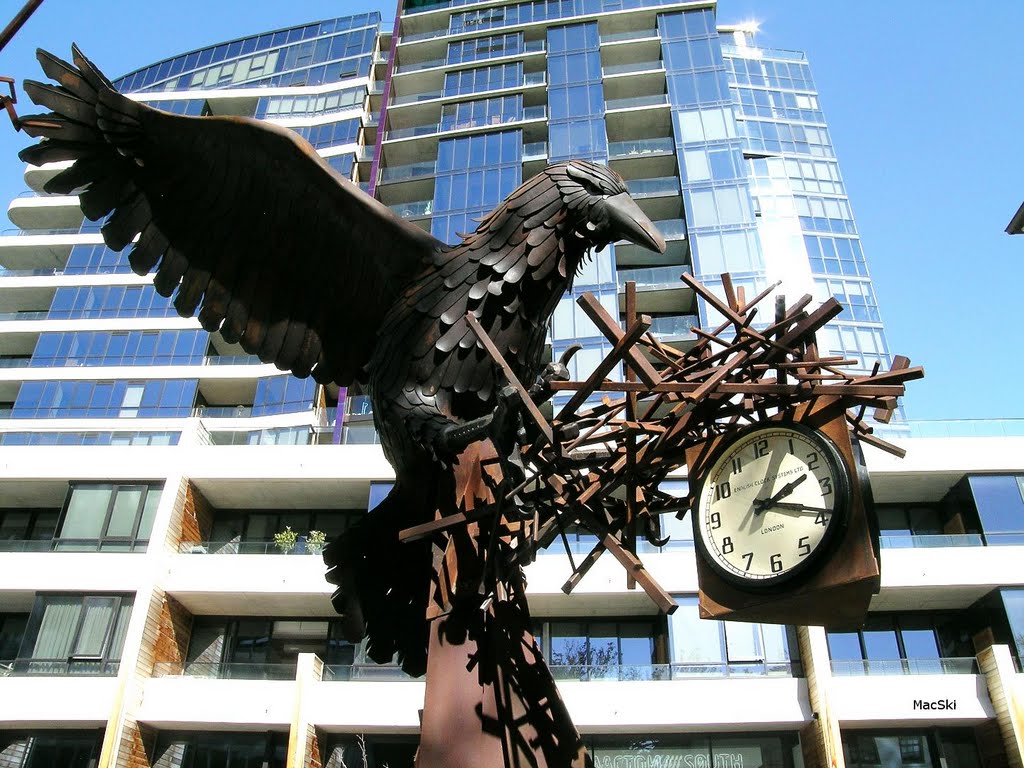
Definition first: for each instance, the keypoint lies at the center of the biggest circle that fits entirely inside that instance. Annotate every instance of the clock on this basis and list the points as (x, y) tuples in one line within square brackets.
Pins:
[(771, 505)]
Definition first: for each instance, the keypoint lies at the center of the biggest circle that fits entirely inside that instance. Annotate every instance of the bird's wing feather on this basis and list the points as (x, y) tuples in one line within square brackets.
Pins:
[(241, 219)]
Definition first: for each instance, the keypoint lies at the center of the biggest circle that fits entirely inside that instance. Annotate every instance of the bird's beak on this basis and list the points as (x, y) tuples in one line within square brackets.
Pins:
[(628, 222)]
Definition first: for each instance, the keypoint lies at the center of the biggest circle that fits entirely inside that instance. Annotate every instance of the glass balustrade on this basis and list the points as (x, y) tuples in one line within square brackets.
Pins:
[(637, 101), (617, 149)]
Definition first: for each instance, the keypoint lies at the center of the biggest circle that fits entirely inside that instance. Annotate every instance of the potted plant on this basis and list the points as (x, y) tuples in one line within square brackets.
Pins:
[(286, 539), (315, 542)]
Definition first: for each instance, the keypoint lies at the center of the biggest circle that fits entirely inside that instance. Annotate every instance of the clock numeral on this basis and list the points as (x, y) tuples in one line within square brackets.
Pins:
[(776, 562), (812, 463), (723, 491), (727, 545), (803, 546), (761, 448), (826, 486), (716, 521), (820, 518), (750, 559), (791, 448), (737, 465)]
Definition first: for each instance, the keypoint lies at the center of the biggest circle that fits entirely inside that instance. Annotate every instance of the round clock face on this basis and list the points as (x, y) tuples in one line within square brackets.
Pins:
[(771, 504)]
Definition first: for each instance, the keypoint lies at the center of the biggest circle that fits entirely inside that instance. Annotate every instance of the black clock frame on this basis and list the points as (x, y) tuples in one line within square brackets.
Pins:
[(838, 523)]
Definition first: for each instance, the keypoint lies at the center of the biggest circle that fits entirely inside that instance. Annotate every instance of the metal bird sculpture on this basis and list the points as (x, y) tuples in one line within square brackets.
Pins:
[(245, 223)]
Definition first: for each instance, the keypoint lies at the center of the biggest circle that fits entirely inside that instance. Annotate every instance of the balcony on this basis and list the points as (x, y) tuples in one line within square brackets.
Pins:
[(928, 541), (967, 665), (636, 102), (73, 667), (657, 187), (178, 701), (414, 210), (365, 672), (56, 702), (632, 34), (920, 578), (410, 171), (236, 547), (653, 277), (655, 65), (899, 696), (32, 211), (641, 147), (270, 584), (71, 545), (675, 671), (226, 671), (536, 150)]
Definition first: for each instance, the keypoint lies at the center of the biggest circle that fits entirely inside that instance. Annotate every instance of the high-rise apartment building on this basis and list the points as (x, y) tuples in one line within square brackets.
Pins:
[(154, 611)]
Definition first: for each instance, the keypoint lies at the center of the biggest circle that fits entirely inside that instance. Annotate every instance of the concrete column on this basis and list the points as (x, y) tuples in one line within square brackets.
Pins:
[(1006, 691), (820, 739), (124, 740), (303, 747)]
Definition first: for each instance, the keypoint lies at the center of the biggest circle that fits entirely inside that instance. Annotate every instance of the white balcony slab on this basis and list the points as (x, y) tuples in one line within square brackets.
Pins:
[(687, 705), (922, 579), (255, 585), (895, 700), (56, 702), (934, 464), (603, 589), (386, 706), (58, 211), (22, 574), (191, 702)]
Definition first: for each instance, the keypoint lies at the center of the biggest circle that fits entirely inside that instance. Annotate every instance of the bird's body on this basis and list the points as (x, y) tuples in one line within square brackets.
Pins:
[(246, 224)]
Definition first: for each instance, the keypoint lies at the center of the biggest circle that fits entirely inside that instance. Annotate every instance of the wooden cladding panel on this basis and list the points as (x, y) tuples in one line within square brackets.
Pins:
[(196, 516), (173, 632), (136, 745)]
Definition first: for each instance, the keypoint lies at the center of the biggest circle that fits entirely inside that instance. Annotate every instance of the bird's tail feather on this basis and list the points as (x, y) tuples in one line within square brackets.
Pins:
[(383, 584)]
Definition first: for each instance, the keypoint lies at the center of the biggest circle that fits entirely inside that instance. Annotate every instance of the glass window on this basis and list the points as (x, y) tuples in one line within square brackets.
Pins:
[(75, 634), (1000, 505), (108, 517)]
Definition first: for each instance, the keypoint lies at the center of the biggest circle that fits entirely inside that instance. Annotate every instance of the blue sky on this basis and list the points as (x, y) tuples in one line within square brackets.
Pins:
[(923, 102)]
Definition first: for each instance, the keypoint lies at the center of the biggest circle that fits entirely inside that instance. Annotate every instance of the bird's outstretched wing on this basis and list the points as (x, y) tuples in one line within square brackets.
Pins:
[(241, 219)]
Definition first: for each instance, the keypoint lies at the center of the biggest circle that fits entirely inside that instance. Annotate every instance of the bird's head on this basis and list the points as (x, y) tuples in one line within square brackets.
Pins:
[(599, 210)]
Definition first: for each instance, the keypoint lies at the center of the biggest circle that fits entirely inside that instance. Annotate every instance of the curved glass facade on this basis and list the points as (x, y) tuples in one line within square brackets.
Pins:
[(311, 54)]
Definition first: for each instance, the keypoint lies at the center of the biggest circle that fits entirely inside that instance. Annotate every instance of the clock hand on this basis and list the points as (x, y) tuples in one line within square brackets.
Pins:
[(763, 504), (799, 507)]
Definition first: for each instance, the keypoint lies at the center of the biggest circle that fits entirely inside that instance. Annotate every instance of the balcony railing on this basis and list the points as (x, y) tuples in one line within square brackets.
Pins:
[(73, 667), (657, 187), (415, 66), (71, 545), (236, 547), (636, 66), (413, 210), (967, 428), (377, 672), (640, 147), (633, 34), (966, 665), (633, 102), (925, 541), (676, 325), (653, 277), (675, 671), (413, 98), (410, 171), (536, 150), (226, 671)]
